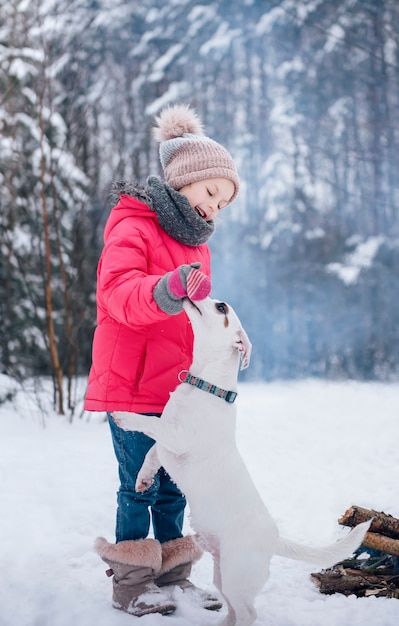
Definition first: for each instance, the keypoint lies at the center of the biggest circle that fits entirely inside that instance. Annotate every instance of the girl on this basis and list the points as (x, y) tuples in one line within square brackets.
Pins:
[(155, 254)]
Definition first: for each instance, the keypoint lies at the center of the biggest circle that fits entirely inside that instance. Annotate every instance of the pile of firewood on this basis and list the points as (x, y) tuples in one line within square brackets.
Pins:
[(376, 571)]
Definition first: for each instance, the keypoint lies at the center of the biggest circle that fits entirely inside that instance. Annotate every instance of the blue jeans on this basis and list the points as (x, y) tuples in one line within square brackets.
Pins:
[(163, 498)]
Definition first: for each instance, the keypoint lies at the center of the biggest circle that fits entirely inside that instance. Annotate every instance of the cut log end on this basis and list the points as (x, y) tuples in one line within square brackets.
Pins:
[(382, 523)]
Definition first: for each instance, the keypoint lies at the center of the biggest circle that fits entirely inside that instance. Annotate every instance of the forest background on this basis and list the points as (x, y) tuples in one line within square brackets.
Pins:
[(303, 93)]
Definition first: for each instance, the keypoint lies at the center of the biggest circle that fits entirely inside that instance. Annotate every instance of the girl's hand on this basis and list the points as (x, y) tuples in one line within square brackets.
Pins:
[(186, 281)]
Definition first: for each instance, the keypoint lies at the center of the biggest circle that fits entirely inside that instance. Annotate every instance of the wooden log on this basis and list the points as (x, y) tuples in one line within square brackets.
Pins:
[(354, 582), (373, 576), (382, 543), (381, 565), (382, 523)]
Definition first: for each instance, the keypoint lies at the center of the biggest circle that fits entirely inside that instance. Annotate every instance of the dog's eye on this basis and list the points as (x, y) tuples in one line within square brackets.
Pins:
[(221, 307)]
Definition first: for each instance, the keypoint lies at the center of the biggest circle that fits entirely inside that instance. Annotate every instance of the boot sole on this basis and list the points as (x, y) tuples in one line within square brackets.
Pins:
[(164, 610)]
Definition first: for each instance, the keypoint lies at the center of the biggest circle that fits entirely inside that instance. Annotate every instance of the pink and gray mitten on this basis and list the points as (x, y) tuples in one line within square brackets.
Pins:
[(186, 281)]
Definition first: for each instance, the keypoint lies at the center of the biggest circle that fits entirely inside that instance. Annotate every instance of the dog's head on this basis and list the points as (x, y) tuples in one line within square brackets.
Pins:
[(217, 327)]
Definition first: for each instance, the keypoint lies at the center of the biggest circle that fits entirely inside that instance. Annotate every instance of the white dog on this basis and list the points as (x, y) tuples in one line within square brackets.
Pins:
[(195, 443)]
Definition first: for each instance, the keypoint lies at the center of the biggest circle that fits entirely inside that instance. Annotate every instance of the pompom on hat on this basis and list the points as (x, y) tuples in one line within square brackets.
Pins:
[(187, 155)]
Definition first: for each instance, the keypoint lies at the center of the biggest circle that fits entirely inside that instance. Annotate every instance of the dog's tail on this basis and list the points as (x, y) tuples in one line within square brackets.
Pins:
[(325, 556)]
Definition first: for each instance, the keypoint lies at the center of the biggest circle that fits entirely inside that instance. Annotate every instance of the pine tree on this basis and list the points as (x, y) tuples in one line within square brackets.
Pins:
[(43, 193)]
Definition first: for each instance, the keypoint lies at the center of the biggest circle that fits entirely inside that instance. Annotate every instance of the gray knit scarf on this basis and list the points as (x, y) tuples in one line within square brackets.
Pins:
[(173, 210)]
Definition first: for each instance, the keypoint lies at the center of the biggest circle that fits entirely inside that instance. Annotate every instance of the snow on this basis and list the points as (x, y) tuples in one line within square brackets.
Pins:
[(390, 51), (313, 448), (336, 36), (168, 97), (361, 258), (161, 64), (268, 20), (222, 39), (198, 17)]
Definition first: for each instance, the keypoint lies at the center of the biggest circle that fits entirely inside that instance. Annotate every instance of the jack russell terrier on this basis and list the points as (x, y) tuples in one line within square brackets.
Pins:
[(196, 444)]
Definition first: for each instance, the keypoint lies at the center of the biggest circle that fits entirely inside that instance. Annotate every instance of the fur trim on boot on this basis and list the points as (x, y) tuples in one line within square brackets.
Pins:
[(142, 552), (178, 552), (178, 556), (133, 564)]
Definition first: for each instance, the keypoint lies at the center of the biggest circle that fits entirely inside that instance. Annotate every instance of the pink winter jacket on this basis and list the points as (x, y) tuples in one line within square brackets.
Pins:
[(138, 350)]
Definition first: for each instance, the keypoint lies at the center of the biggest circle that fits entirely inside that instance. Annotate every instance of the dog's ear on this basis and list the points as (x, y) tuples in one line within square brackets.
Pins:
[(244, 346)]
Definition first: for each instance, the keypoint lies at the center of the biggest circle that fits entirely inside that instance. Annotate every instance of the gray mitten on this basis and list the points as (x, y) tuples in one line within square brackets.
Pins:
[(186, 281)]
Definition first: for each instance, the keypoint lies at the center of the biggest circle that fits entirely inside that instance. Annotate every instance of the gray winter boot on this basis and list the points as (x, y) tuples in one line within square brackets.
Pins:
[(178, 557), (133, 565)]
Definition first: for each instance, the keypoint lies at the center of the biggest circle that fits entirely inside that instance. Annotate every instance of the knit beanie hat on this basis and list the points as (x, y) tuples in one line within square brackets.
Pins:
[(187, 155)]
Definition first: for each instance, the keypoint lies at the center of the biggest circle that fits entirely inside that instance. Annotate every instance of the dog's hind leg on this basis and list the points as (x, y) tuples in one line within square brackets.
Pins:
[(230, 619), (244, 570), (217, 576), (151, 465), (240, 613)]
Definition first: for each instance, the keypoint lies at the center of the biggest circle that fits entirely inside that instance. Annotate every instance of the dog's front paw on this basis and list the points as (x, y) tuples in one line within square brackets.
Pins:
[(143, 483), (123, 420)]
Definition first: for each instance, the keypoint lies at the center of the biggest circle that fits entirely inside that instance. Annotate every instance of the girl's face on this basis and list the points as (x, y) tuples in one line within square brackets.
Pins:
[(208, 196)]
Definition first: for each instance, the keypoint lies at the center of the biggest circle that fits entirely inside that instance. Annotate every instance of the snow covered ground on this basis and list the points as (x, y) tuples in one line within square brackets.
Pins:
[(313, 449)]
